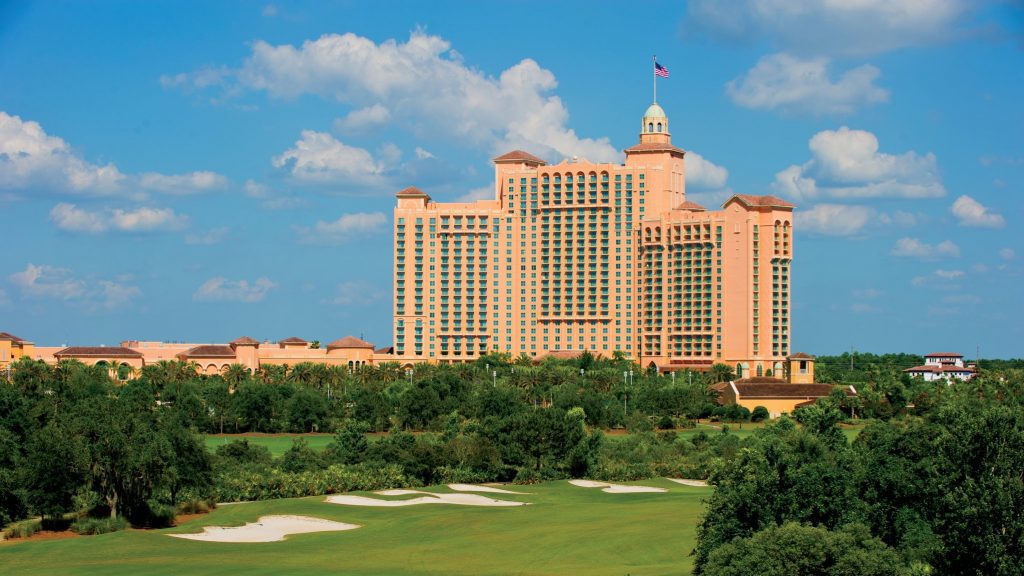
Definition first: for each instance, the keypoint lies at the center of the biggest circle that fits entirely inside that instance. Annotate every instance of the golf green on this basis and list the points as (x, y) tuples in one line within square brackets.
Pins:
[(565, 529)]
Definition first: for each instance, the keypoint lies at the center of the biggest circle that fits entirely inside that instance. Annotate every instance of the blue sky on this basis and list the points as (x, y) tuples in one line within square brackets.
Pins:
[(200, 171)]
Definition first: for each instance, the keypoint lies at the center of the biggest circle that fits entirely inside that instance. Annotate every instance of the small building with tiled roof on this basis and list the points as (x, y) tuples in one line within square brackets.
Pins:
[(123, 363), (293, 342), (947, 366), (776, 395), (12, 348), (752, 201), (348, 342), (691, 206), (245, 341)]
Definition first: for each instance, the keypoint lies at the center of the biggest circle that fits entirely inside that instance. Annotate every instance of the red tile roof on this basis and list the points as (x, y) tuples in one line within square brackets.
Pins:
[(292, 340), (691, 206), (759, 390), (97, 352), (761, 380), (9, 336), (349, 342), (519, 156), (411, 192), (385, 350), (209, 351), (654, 147), (767, 201), (802, 356), (943, 355), (245, 341)]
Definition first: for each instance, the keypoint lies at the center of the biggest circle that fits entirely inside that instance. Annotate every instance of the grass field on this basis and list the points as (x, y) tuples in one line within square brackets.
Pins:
[(565, 530), (278, 444)]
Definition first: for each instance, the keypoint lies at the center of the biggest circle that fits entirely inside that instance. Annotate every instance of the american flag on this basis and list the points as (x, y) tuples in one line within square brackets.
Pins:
[(660, 70)]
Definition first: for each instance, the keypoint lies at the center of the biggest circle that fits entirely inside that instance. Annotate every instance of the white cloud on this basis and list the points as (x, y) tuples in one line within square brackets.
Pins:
[(833, 219), (847, 164), (207, 238), (901, 219), (29, 157), (426, 85), (914, 248), (481, 193), (269, 11), (354, 293), (949, 274), (183, 184), (849, 27), (970, 212), (363, 119), (70, 218), (219, 289), (345, 228), (32, 159), (423, 154), (866, 293), (802, 86), (702, 174), (1007, 254), (51, 283), (271, 199), (318, 157)]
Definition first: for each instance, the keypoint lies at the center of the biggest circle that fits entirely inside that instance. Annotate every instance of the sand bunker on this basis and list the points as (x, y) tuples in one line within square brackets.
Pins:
[(477, 488), (428, 498), (615, 488), (399, 492), (267, 529), (685, 482)]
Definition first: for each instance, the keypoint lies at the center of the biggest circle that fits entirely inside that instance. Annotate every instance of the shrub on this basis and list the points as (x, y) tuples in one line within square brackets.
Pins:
[(760, 413), (22, 529), (196, 507), (666, 423), (258, 484), (89, 525)]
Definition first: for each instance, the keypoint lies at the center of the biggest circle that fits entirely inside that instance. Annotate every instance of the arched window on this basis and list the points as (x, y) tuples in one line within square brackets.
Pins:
[(650, 126), (659, 126), (739, 370), (760, 371)]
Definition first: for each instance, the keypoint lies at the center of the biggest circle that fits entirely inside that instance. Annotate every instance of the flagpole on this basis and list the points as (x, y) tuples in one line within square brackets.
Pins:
[(655, 62)]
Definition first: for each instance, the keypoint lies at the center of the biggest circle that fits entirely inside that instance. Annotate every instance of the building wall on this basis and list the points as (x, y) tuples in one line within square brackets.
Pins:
[(600, 257)]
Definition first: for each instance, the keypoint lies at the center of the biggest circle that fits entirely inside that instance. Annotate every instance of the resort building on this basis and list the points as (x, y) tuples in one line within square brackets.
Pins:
[(789, 390), (128, 359), (605, 257), (943, 365), (12, 348)]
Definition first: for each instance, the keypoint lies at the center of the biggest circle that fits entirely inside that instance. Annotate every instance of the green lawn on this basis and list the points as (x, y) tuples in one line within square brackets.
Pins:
[(565, 530), (278, 444)]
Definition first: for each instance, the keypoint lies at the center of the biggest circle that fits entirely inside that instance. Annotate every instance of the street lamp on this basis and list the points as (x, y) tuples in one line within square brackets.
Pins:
[(495, 378)]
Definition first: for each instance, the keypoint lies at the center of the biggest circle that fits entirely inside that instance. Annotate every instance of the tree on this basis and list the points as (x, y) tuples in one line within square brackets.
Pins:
[(349, 445), (759, 414), (719, 373), (793, 549)]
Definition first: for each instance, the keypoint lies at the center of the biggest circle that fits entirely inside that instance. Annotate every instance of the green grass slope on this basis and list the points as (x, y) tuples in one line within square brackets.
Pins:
[(564, 530)]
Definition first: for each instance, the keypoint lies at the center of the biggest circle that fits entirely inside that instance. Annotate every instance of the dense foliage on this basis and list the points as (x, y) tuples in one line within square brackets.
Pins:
[(941, 487), (76, 441)]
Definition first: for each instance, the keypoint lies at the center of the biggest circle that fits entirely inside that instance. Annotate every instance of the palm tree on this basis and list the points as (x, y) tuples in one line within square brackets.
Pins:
[(235, 375), (719, 373)]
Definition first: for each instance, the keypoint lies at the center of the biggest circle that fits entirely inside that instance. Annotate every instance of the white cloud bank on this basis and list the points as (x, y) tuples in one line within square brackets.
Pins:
[(42, 282), (220, 289), (802, 86), (846, 163), (32, 159), (970, 212), (839, 27), (914, 248), (345, 228), (422, 82), (71, 218), (833, 219)]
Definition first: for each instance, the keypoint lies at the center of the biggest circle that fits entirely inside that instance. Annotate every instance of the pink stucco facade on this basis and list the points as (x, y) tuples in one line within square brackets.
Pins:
[(602, 257)]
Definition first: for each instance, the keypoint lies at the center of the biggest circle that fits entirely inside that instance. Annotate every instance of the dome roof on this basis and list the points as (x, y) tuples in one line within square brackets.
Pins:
[(654, 111)]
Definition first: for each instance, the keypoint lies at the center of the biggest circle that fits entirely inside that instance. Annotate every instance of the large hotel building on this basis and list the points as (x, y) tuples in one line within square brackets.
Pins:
[(601, 257)]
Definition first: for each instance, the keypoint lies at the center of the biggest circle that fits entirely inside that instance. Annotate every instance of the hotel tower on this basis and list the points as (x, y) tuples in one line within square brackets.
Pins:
[(602, 257)]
